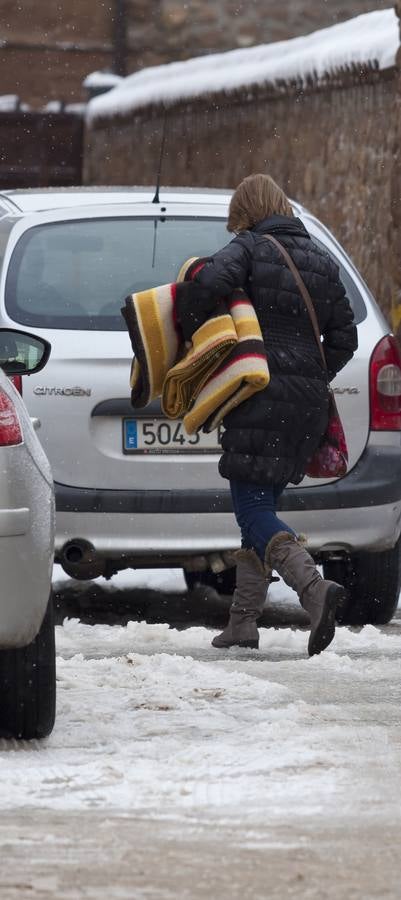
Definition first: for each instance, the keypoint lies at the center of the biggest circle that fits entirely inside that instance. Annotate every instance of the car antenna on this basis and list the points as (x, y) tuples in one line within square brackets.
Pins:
[(156, 198)]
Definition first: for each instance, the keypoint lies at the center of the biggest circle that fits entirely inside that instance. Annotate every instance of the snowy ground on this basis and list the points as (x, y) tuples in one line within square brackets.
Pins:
[(163, 742)]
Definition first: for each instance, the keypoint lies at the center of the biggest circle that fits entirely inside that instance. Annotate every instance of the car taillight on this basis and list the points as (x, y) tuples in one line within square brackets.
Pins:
[(10, 428), (385, 386), (17, 382)]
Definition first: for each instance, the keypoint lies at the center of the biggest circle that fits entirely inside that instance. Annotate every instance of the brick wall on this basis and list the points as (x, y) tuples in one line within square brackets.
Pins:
[(48, 47)]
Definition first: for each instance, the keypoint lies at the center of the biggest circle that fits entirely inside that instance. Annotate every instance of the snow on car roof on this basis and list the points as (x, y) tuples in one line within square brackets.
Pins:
[(369, 39)]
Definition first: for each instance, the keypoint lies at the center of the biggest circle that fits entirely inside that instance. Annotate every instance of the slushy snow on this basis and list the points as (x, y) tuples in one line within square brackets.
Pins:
[(154, 722)]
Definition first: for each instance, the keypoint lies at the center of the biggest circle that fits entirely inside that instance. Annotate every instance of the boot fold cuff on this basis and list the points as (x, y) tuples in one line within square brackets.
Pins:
[(249, 556), (282, 537)]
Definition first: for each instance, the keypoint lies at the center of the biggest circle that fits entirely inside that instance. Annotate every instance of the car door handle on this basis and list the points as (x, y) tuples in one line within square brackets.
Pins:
[(122, 406)]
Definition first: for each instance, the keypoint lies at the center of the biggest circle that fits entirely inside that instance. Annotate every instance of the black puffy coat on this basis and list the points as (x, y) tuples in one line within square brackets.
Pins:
[(269, 438)]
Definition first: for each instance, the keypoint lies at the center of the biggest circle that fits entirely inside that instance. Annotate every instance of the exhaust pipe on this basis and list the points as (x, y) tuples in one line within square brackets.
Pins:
[(79, 560)]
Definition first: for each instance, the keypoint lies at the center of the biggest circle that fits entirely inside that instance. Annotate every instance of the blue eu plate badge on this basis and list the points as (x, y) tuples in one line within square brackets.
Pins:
[(131, 434)]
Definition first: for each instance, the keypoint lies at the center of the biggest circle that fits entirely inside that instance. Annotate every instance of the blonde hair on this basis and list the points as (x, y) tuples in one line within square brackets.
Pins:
[(256, 198)]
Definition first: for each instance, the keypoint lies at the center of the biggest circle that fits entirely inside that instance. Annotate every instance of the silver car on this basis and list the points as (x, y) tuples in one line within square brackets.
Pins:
[(27, 518), (134, 490)]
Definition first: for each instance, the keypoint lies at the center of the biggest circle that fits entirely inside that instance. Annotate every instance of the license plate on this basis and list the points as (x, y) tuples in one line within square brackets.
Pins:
[(166, 436)]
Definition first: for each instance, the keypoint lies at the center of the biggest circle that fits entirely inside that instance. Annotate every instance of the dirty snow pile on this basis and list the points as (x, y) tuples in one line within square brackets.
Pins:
[(370, 38), (156, 723)]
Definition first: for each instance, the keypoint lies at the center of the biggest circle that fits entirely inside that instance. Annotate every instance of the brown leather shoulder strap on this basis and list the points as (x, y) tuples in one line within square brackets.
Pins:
[(303, 289)]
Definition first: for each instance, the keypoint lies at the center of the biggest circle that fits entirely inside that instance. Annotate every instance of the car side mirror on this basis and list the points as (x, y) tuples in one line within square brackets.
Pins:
[(22, 353)]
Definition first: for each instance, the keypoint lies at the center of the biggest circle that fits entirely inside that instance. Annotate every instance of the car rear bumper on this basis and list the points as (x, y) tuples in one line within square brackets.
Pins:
[(360, 511), (151, 540), (374, 481)]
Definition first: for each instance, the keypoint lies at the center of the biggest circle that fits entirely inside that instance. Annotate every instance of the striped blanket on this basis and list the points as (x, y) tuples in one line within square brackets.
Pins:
[(201, 381)]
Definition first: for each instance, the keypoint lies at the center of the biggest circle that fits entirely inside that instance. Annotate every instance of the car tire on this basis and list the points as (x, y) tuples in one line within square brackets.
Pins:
[(28, 685), (223, 582), (373, 582)]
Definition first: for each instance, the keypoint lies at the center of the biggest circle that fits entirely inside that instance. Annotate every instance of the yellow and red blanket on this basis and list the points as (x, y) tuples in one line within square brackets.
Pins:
[(201, 381)]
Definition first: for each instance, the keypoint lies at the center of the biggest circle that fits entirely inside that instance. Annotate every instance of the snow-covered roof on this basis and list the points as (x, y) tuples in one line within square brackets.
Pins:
[(57, 106), (11, 103), (96, 80), (370, 39)]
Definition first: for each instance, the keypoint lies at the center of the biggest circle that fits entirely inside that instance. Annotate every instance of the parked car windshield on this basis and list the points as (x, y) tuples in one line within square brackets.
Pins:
[(77, 274)]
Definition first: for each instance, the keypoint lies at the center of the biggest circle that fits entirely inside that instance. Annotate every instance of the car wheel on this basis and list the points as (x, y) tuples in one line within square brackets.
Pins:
[(28, 685), (223, 582), (373, 581)]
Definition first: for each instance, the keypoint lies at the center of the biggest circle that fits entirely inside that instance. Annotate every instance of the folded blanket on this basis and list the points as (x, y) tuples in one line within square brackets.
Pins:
[(224, 364), (157, 344), (155, 338)]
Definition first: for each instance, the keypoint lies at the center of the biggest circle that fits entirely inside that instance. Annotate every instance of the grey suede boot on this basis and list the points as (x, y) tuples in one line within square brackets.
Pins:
[(286, 554), (248, 601)]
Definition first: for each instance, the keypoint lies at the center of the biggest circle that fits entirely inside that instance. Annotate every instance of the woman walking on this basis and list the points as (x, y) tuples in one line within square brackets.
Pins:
[(269, 438)]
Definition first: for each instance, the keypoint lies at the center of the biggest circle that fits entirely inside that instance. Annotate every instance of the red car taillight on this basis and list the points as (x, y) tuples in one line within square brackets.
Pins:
[(10, 428), (385, 386), (17, 382)]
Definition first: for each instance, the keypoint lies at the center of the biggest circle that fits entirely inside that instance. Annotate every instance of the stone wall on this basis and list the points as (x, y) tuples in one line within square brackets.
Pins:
[(333, 147), (47, 48)]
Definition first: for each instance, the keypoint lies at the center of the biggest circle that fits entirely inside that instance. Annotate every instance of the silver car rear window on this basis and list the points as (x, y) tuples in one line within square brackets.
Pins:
[(76, 274)]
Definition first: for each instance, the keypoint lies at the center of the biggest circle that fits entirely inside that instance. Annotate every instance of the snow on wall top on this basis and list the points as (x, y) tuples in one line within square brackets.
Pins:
[(372, 38), (101, 79)]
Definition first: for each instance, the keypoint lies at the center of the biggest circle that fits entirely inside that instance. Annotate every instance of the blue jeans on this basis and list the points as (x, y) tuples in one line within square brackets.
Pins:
[(255, 511)]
